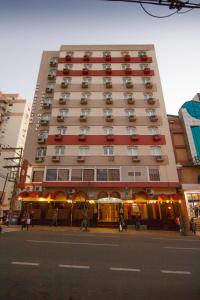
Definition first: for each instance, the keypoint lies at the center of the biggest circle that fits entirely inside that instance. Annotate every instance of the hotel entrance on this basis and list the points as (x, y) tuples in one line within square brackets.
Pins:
[(108, 209)]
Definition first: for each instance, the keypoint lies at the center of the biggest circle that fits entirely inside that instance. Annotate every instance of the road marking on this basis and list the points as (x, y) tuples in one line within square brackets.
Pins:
[(90, 235), (171, 239), (74, 267), (176, 272), (125, 269), (181, 248), (73, 243), (23, 263)]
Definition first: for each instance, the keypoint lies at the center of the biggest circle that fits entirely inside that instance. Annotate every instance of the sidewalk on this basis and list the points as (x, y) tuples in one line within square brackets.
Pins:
[(68, 229)]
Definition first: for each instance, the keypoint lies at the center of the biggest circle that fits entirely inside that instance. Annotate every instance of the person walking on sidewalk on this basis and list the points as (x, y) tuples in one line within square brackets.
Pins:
[(54, 221), (84, 223), (28, 221), (193, 226)]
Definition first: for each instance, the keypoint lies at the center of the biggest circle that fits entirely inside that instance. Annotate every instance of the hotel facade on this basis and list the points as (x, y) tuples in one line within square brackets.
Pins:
[(99, 139)]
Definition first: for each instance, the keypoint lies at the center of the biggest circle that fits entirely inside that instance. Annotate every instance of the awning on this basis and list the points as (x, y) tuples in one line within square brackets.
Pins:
[(109, 200)]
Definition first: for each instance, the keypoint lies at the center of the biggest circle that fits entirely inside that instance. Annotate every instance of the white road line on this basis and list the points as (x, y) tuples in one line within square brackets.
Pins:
[(175, 239), (125, 269), (175, 272), (73, 243), (74, 267), (181, 248), (24, 263)]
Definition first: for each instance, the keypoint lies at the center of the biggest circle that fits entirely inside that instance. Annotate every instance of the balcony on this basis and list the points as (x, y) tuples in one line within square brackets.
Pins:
[(108, 71), (49, 90), (53, 63), (80, 159), (109, 101), (39, 159), (85, 85), (109, 118), (110, 137), (68, 57), (82, 137), (153, 118), (83, 118), (148, 85), (128, 71), (51, 77), (41, 140), (60, 118), (151, 100), (83, 101), (44, 122), (85, 71), (55, 158), (130, 101), (132, 118), (58, 137), (129, 85), (143, 56), (135, 158), (127, 57), (62, 101), (147, 71), (107, 57), (156, 137), (66, 71), (64, 85), (86, 57), (108, 85), (134, 137), (46, 105), (159, 158)]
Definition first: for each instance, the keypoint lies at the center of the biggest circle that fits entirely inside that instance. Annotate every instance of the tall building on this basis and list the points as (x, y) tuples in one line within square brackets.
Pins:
[(99, 139), (185, 130), (14, 120)]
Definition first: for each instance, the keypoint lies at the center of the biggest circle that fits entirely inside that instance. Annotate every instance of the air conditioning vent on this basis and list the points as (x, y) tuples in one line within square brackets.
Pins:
[(55, 158)]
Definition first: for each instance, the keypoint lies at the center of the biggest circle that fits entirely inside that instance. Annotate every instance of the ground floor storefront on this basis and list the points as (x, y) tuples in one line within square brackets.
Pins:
[(155, 211)]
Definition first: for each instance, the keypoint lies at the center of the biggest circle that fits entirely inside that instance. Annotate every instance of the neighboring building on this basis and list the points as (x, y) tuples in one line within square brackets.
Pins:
[(14, 120), (99, 138), (185, 130)]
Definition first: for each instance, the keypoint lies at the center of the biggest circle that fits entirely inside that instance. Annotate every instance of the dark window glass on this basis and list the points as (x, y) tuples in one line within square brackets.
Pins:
[(51, 175), (154, 175), (88, 175), (113, 175), (37, 176), (102, 175), (63, 175), (76, 175)]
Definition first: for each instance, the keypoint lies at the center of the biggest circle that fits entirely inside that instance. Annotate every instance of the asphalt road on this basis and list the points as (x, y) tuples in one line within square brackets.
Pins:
[(61, 266)]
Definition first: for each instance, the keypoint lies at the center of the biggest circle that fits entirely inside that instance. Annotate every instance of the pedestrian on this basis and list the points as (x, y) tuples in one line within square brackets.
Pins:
[(84, 223), (137, 222), (54, 221), (28, 221), (193, 226), (23, 221), (182, 225), (122, 223)]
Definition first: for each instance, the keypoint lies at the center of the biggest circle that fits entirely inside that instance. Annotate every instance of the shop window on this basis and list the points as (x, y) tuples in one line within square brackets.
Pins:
[(113, 175), (37, 176), (154, 175), (102, 175), (63, 175), (51, 175), (76, 175), (88, 175)]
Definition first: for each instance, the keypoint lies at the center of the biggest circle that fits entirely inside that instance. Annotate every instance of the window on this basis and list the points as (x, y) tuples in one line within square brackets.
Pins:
[(48, 100), (142, 53), (108, 130), (113, 175), (41, 151), (128, 96), (50, 86), (146, 80), (51, 175), (126, 80), (102, 175), (107, 95), (84, 130), (88, 174), (143, 66), (107, 112), (86, 95), (125, 66), (148, 96), (63, 174), (108, 150), (43, 134), (150, 112), (106, 66), (87, 79), (153, 130), (106, 53), (154, 175), (59, 150), (83, 150), (131, 130), (67, 80), (107, 80), (76, 175), (63, 112), (68, 66), (85, 112), (156, 151), (65, 95), (37, 176), (45, 116), (129, 112), (61, 130), (132, 151)]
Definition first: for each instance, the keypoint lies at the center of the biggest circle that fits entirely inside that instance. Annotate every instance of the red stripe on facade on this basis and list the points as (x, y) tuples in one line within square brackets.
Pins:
[(104, 73), (106, 140), (103, 60), (110, 184)]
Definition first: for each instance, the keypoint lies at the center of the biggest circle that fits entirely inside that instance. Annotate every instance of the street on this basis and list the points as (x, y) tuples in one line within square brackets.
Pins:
[(94, 265)]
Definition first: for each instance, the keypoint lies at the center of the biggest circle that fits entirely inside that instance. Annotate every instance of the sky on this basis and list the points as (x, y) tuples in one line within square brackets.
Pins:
[(28, 27)]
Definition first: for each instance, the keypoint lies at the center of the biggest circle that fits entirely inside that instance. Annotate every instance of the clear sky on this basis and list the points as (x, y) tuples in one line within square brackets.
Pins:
[(27, 27)]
